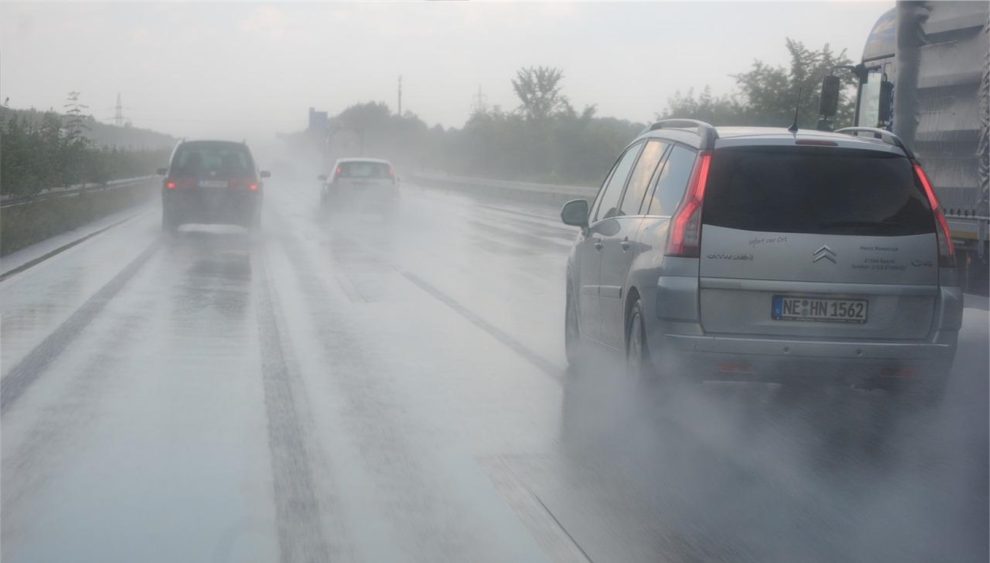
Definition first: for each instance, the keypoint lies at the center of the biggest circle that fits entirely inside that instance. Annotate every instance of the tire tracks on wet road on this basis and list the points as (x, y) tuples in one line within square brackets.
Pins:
[(34, 364)]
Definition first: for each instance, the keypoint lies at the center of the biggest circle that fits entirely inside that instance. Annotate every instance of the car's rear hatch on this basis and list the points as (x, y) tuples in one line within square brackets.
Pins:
[(371, 177), (812, 241)]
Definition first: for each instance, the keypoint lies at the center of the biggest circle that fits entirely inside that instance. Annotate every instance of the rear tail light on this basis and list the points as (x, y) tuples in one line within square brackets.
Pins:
[(946, 248), (684, 236), (337, 173), (253, 186), (170, 184)]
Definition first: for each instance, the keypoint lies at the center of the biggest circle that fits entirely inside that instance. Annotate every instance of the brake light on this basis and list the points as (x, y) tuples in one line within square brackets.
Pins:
[(337, 173), (946, 248), (684, 236), (170, 185), (391, 172), (253, 186)]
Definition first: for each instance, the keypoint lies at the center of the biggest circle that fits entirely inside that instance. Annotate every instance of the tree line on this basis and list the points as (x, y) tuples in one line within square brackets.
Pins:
[(546, 139), (41, 150)]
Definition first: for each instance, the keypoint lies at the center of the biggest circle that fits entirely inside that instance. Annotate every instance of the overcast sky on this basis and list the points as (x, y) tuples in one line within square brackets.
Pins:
[(249, 70)]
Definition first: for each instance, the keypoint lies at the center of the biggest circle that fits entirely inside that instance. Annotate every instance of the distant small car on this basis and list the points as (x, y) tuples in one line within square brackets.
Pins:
[(767, 254), (211, 182), (360, 184)]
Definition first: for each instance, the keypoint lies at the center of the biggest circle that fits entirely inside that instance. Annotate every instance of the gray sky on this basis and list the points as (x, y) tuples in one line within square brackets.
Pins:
[(248, 70)]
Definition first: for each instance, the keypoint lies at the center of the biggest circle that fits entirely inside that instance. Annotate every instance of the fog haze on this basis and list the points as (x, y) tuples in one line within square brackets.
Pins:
[(250, 70)]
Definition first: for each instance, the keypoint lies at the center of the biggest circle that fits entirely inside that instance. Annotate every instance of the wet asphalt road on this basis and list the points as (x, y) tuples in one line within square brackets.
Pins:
[(351, 389)]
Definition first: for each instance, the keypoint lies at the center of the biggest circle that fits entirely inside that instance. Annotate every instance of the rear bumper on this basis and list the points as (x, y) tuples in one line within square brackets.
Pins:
[(788, 360), (677, 338), (194, 206)]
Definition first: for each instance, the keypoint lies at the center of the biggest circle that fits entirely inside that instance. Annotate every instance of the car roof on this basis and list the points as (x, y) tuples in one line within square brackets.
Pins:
[(362, 159), (210, 141), (766, 136)]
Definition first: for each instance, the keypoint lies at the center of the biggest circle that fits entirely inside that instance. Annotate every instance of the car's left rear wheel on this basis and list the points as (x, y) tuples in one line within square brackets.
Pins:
[(638, 362)]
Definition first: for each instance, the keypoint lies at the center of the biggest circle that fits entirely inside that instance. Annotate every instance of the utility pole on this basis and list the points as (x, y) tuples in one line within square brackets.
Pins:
[(400, 95), (118, 113), (479, 102)]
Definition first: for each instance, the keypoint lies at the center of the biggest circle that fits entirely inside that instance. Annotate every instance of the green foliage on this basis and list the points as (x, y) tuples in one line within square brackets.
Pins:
[(767, 95), (38, 152), (546, 140), (539, 89)]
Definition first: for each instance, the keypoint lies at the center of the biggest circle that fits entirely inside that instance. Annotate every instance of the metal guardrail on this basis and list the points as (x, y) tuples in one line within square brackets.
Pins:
[(73, 191), (471, 183)]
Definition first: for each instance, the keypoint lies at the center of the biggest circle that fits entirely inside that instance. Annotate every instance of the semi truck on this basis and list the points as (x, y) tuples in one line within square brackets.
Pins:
[(925, 76)]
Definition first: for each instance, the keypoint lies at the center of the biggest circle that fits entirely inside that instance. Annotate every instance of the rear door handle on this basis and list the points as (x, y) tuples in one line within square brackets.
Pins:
[(598, 243), (624, 244)]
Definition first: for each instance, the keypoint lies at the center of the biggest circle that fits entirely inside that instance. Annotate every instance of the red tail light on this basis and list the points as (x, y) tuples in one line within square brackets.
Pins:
[(946, 248), (253, 186), (391, 172), (170, 185), (684, 237), (338, 173)]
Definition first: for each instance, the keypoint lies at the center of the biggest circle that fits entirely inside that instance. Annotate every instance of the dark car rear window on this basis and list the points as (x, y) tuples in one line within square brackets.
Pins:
[(358, 169), (212, 159), (815, 190)]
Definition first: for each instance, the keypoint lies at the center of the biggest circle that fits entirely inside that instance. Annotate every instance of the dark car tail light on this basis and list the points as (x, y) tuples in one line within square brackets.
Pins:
[(946, 248), (684, 236), (179, 183), (338, 173)]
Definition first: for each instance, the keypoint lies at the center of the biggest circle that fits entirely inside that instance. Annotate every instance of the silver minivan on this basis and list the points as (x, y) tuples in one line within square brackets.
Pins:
[(767, 254)]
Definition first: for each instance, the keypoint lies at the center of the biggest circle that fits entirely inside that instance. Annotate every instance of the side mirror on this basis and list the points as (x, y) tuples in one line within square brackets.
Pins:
[(575, 213), (161, 171), (265, 174), (322, 177), (886, 109), (828, 104)]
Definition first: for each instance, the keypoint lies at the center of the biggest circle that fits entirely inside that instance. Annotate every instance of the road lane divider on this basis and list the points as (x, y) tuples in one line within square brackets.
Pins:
[(297, 510), (55, 252), (32, 366), (544, 365)]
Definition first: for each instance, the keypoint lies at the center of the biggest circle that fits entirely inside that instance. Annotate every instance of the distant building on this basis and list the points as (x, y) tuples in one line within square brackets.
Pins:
[(318, 120)]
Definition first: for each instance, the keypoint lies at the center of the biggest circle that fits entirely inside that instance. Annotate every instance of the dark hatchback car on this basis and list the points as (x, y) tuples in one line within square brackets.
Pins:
[(211, 182)]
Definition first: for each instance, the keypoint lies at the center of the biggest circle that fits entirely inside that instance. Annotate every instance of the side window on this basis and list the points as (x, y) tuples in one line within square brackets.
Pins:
[(639, 181), (598, 198), (608, 204), (672, 181)]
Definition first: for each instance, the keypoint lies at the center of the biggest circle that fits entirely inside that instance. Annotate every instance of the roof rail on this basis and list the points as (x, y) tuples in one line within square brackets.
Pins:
[(704, 130), (881, 134)]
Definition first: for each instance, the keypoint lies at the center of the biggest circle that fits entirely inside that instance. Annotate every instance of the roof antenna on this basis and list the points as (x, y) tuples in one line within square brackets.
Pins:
[(797, 106)]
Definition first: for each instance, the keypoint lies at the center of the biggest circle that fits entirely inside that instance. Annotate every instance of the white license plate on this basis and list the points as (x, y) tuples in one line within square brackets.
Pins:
[(213, 183), (801, 308)]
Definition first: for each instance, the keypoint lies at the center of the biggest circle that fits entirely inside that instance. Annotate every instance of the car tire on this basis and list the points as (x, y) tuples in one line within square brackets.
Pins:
[(573, 346), (253, 224), (169, 223), (638, 361)]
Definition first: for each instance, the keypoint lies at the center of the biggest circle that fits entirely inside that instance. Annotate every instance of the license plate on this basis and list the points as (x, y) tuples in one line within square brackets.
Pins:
[(213, 183), (800, 308)]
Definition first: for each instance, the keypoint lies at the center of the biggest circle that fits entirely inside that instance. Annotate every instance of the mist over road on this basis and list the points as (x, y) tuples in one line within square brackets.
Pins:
[(350, 388)]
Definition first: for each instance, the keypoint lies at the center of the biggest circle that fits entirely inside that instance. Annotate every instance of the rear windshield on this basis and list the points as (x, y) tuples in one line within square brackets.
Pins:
[(359, 169), (212, 159), (815, 190)]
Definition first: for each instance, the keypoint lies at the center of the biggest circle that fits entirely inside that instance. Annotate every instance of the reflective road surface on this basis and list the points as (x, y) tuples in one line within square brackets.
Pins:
[(349, 388)]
